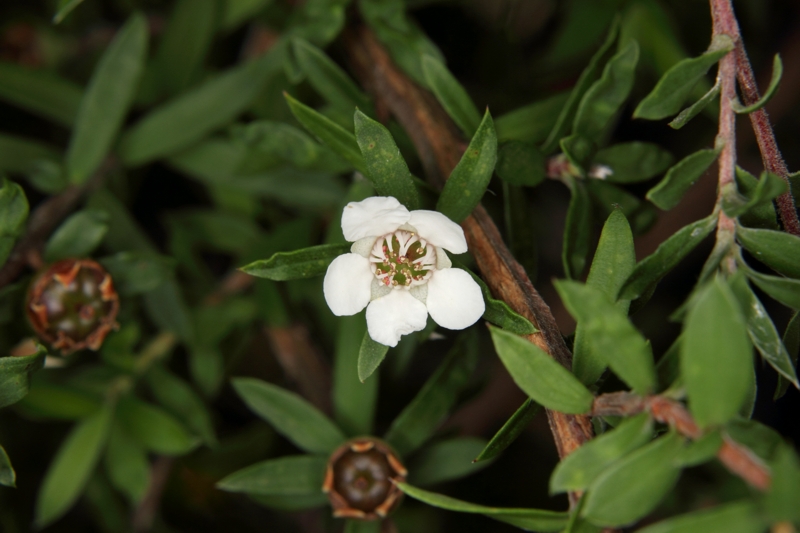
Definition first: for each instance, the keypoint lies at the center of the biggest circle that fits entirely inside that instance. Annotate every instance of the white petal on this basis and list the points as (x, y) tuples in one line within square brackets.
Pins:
[(363, 247), (439, 230), (442, 260), (347, 284), (396, 314), (420, 292), (378, 289), (454, 299), (373, 217)]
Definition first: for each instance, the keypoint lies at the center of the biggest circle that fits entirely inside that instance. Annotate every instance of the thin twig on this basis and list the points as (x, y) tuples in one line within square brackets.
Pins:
[(145, 513)]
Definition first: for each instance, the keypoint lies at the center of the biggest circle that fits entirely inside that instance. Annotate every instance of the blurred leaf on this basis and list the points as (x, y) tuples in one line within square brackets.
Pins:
[(139, 271), (498, 312), (653, 27), (107, 98), (701, 450), (354, 401), (451, 94), (577, 230), (613, 262), (539, 375), (760, 439), (677, 83), (168, 310), (693, 110), (791, 340), (193, 115), (40, 92), (272, 143), (777, 73), (70, 469), (716, 355), (668, 367), (769, 187), (512, 429), (297, 476), (236, 12), (78, 236), (127, 465), (362, 526), (8, 477), (422, 416), (633, 161), (520, 163), (178, 397), (329, 80), (605, 97), (64, 8), (447, 460), (581, 27), (124, 233), (761, 214), (15, 374), (649, 271), (761, 329), (607, 197), (528, 519), (386, 167), (464, 188), (20, 154), (13, 214), (298, 264), (631, 487), (155, 429), (533, 122), (579, 150), (59, 402), (780, 502), (669, 191), (290, 415), (776, 249), (370, 356), (579, 469), (735, 517)]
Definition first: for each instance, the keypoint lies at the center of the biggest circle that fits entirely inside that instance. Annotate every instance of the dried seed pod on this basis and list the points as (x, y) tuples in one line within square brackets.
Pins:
[(359, 479), (73, 305)]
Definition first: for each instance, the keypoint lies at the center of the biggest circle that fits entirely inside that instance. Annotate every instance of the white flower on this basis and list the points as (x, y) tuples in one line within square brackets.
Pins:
[(399, 270)]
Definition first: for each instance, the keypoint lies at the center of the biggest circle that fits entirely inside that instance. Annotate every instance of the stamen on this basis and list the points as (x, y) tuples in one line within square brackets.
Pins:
[(402, 259)]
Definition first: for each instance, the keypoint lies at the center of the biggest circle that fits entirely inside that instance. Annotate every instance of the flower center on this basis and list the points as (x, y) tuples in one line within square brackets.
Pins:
[(403, 259)]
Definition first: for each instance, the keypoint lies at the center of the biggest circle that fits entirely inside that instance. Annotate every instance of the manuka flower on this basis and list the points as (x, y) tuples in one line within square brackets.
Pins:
[(399, 270)]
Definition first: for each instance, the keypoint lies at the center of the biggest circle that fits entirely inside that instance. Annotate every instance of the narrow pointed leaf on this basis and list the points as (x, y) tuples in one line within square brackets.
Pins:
[(179, 399), (467, 183), (370, 356), (579, 469), (677, 83), (64, 8), (446, 460), (577, 230), (520, 163), (20, 154), (693, 110), (127, 465), (791, 340), (298, 264), (290, 415), (533, 122), (649, 271), (669, 191), (40, 92), (762, 214), (768, 187), (417, 422), (78, 236), (701, 450), (451, 95), (784, 290), (154, 428), (166, 307), (15, 375), (774, 82), (780, 502), (539, 375), (633, 161), (735, 517), (776, 249), (8, 477), (716, 355), (385, 164), (13, 214), (296, 476), (353, 400), (512, 429), (330, 81), (107, 99)]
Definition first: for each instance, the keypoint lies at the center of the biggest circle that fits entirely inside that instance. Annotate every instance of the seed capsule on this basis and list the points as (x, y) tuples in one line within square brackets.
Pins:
[(73, 305)]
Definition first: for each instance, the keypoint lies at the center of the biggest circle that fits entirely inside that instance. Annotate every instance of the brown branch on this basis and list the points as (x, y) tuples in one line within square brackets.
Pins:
[(145, 512), (440, 147), (737, 458)]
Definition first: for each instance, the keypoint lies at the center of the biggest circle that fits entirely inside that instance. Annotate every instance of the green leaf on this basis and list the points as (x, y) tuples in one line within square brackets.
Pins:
[(692, 111), (633, 161), (417, 422), (677, 83), (8, 477), (15, 375), (612, 264), (607, 197), (762, 331), (64, 8), (237, 12), (447, 460), (762, 214), (669, 191), (298, 264), (649, 271), (78, 236), (780, 502), (465, 187), (736, 517), (498, 312), (701, 450), (769, 187), (533, 122), (59, 402), (520, 163), (362, 526), (386, 167), (154, 428), (716, 355), (13, 214), (107, 99), (178, 397), (139, 271), (777, 73), (528, 519), (791, 340), (784, 290), (579, 150), (776, 249), (633, 486), (354, 401), (580, 468), (127, 465), (71, 467), (539, 375), (290, 415), (512, 429), (41, 93), (167, 308), (297, 476), (370, 356), (577, 230), (329, 80), (22, 155), (191, 116), (292, 503), (330, 134), (605, 97), (452, 95)]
